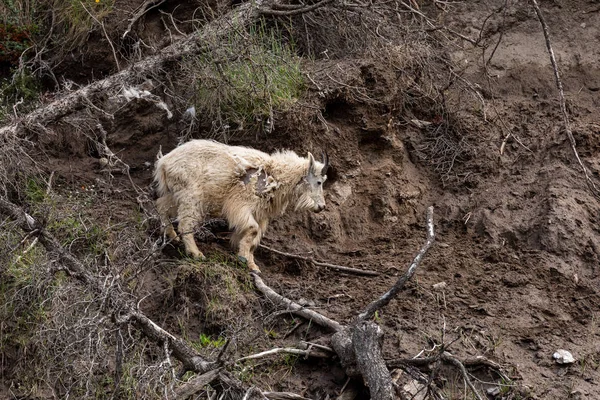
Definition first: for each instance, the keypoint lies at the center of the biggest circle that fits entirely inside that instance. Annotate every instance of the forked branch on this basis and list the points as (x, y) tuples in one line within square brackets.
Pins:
[(399, 285)]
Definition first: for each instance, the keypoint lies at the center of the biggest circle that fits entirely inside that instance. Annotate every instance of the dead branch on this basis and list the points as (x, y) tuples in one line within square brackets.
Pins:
[(284, 396), (448, 358), (295, 11), (563, 107), (295, 307), (310, 352), (399, 285), (125, 309), (110, 86), (320, 263), (143, 9), (359, 344), (110, 43), (196, 384), (445, 356)]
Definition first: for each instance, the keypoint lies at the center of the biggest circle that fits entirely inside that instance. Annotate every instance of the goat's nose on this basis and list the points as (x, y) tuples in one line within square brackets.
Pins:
[(320, 207)]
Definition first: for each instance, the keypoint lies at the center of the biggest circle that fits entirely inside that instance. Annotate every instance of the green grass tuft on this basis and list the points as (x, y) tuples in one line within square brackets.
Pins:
[(242, 83)]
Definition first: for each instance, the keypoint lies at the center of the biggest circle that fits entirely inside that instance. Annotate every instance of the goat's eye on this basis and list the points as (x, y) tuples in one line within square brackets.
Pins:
[(319, 182)]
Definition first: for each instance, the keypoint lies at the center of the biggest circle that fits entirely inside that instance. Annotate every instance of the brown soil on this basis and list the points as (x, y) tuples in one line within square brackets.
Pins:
[(518, 234)]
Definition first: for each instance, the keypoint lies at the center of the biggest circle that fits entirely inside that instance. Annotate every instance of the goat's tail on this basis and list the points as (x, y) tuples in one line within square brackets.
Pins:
[(160, 177)]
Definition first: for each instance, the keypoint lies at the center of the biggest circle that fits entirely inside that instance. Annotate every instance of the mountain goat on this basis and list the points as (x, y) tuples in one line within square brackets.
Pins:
[(248, 187)]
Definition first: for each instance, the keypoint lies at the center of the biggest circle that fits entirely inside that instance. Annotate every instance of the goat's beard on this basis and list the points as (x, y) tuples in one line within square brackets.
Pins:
[(304, 202)]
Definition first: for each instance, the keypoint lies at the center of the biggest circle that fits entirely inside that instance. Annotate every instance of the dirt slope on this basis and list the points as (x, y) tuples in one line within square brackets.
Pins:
[(518, 243)]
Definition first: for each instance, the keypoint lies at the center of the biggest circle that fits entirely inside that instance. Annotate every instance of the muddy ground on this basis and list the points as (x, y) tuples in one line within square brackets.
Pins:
[(518, 233)]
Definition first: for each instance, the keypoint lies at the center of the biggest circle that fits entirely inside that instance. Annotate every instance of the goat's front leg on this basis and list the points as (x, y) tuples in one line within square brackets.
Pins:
[(250, 238)]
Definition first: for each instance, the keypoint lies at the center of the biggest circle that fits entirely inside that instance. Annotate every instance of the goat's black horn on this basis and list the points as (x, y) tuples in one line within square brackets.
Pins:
[(325, 158)]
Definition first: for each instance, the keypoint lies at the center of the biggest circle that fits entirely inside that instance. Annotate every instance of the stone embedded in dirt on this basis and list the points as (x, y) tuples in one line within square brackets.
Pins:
[(439, 286), (494, 391), (563, 357)]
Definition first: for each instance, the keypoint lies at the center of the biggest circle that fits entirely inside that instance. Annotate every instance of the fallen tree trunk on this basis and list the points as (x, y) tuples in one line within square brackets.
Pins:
[(195, 43)]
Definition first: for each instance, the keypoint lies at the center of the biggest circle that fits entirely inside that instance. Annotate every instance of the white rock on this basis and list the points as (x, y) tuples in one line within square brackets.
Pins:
[(439, 286), (563, 357)]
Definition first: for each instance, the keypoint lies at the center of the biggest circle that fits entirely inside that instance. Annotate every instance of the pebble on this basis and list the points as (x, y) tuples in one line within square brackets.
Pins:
[(563, 357)]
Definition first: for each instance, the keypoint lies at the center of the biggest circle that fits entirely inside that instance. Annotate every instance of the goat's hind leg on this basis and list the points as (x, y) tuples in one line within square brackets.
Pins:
[(167, 209), (189, 215)]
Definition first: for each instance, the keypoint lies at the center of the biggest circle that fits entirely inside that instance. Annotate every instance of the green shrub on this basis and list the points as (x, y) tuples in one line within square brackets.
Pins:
[(240, 84)]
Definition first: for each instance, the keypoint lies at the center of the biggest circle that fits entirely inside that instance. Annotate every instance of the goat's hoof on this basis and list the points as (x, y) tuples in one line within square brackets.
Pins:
[(197, 256), (254, 269)]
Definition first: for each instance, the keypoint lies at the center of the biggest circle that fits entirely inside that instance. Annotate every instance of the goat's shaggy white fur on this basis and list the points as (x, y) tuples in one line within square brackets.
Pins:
[(245, 186)]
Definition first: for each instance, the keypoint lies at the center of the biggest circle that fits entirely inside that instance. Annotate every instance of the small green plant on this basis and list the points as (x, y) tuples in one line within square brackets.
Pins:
[(35, 192), (74, 228), (205, 341), (376, 317), (242, 83), (271, 334)]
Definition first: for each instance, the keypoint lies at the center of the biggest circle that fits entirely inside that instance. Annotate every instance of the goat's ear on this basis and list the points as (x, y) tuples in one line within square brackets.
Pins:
[(311, 164)]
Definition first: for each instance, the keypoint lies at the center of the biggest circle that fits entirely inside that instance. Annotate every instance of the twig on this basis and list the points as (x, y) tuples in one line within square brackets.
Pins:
[(399, 285), (295, 307), (563, 106), (456, 362), (288, 350), (35, 240), (450, 359), (284, 396), (18, 103), (322, 264), (105, 35), (49, 186), (281, 13), (143, 9)]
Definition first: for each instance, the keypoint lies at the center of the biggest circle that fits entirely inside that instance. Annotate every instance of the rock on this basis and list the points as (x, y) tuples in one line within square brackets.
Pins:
[(494, 391), (563, 357), (439, 286), (103, 162)]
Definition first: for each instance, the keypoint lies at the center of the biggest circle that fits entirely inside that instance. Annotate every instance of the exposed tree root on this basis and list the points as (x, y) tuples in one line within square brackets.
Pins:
[(295, 307)]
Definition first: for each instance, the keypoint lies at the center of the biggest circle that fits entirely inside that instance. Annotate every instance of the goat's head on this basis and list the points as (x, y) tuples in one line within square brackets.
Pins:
[(310, 188)]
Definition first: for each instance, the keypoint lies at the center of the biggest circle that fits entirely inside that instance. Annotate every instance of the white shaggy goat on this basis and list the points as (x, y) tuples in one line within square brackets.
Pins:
[(245, 186)]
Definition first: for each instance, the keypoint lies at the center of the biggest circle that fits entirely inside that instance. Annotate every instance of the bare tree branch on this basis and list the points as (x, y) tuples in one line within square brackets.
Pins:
[(196, 384), (322, 264), (296, 11), (367, 338), (288, 350), (295, 307), (284, 396), (393, 292)]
